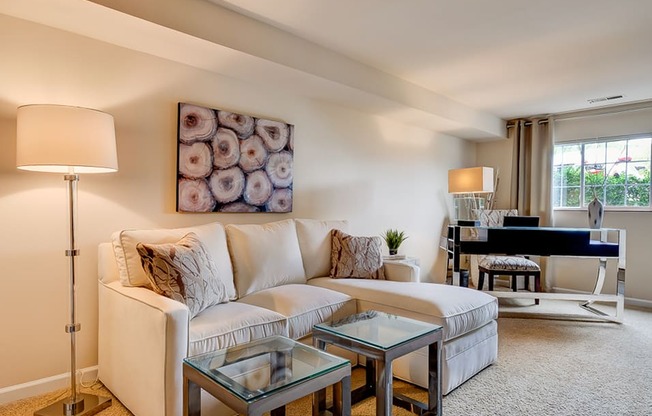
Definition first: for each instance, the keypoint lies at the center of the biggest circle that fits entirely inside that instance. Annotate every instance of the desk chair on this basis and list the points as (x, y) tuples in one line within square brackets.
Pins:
[(512, 266)]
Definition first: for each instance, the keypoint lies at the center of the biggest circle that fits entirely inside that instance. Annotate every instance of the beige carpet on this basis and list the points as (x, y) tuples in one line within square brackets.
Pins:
[(545, 367)]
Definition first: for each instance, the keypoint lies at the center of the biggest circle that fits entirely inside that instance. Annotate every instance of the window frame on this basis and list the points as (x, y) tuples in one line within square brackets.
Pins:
[(606, 139)]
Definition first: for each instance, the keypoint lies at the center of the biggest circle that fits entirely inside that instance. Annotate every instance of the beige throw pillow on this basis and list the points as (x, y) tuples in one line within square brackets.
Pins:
[(359, 257), (183, 271)]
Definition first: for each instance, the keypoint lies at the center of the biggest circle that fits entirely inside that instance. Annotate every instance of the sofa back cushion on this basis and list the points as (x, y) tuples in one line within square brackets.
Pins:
[(128, 260), (315, 244), (264, 255)]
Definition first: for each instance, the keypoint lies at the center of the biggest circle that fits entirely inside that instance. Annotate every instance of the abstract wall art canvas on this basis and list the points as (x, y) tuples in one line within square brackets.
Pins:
[(229, 162)]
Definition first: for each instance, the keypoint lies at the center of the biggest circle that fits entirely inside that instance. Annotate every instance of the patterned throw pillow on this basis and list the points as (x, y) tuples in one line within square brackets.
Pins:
[(359, 257), (183, 271)]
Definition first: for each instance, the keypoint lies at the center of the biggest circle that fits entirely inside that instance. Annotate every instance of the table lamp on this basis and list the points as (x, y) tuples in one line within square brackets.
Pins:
[(465, 184), (68, 140)]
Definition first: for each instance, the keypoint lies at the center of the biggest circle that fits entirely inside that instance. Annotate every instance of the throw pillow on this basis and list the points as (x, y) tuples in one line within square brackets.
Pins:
[(359, 257), (183, 271)]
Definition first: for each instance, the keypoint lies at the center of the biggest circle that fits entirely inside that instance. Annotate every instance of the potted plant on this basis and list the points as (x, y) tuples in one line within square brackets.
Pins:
[(394, 238)]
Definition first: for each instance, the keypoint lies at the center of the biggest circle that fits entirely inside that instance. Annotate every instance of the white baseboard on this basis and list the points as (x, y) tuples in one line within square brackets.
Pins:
[(641, 303), (44, 385)]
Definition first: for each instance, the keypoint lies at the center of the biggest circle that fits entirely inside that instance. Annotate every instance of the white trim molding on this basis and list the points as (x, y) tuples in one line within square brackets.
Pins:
[(44, 385)]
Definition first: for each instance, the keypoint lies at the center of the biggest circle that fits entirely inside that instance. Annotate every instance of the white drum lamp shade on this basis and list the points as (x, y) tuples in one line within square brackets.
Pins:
[(471, 180), (465, 184), (57, 138)]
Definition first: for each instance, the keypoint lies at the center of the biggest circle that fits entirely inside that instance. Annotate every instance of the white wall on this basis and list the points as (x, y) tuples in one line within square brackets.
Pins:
[(367, 169)]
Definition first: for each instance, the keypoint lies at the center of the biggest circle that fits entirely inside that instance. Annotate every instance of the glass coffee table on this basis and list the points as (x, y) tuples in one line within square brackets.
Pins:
[(264, 376), (382, 338)]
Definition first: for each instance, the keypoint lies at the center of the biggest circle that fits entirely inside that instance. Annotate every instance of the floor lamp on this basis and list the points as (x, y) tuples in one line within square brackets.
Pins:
[(465, 184), (68, 140)]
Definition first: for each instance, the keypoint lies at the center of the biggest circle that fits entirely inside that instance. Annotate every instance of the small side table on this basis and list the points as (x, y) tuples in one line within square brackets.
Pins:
[(264, 376), (401, 259), (382, 338)]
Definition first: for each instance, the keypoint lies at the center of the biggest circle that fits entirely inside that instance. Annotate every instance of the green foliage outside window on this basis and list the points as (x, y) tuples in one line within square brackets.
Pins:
[(618, 190), (627, 181)]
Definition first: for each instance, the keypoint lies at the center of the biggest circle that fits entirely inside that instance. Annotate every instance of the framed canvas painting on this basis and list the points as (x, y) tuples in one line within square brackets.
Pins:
[(229, 162)]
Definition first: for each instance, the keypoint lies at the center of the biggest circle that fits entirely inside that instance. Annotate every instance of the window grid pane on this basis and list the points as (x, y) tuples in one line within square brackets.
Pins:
[(615, 170)]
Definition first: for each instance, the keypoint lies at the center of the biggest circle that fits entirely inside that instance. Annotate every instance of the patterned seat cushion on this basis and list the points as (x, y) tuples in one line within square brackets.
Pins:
[(508, 263)]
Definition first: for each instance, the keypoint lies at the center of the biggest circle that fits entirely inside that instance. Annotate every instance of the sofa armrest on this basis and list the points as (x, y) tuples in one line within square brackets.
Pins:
[(401, 272), (143, 338)]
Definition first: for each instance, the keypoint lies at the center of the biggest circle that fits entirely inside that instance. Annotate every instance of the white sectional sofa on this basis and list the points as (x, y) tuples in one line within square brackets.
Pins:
[(276, 276)]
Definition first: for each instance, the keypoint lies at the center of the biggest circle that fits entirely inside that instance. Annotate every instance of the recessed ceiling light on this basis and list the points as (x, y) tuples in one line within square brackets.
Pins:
[(602, 99)]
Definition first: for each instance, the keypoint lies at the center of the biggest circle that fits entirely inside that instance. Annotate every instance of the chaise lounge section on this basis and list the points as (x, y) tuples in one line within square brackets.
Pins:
[(276, 276)]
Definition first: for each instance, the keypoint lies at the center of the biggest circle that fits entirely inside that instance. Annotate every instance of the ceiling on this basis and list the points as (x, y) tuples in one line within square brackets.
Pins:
[(457, 67), (509, 58)]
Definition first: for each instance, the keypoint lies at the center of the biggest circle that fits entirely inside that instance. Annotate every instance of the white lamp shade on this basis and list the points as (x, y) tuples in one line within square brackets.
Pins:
[(471, 180), (57, 138)]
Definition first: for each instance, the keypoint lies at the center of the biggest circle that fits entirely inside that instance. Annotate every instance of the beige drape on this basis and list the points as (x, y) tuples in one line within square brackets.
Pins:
[(533, 148)]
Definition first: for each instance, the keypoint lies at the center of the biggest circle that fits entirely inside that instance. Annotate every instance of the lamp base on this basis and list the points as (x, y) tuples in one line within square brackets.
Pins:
[(89, 405)]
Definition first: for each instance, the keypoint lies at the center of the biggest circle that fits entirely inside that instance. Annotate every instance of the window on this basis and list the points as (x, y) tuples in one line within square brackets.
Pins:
[(616, 170)]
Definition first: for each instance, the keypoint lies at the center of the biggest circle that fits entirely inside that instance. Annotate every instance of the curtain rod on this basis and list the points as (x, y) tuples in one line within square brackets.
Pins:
[(529, 123)]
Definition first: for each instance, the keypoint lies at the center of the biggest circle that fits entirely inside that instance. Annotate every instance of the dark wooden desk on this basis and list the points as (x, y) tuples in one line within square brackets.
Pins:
[(601, 244)]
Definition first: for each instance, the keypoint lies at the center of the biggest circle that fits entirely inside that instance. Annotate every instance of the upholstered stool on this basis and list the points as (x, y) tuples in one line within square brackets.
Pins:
[(513, 266)]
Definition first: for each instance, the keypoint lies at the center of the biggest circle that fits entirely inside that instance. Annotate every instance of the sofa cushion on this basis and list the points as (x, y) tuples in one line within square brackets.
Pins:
[(458, 309), (358, 257), (315, 244), (303, 305), (264, 255), (183, 271), (128, 260), (229, 324)]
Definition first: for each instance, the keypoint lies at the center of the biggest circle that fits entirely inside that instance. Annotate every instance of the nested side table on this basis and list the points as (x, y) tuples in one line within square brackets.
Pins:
[(382, 338), (264, 376)]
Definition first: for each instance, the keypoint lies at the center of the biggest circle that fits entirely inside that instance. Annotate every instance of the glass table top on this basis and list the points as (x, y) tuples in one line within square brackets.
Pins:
[(378, 329), (264, 366)]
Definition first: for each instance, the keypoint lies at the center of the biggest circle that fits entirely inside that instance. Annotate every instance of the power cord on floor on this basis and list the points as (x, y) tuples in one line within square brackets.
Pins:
[(80, 374)]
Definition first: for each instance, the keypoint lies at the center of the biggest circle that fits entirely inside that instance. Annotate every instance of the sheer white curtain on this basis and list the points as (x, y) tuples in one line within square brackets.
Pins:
[(533, 141)]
